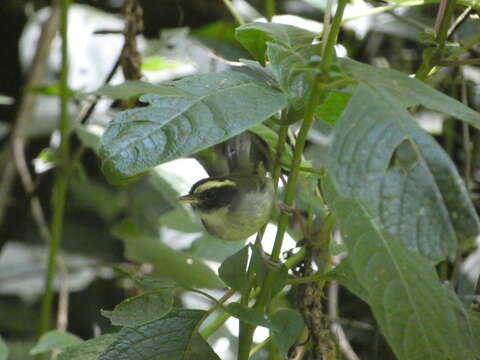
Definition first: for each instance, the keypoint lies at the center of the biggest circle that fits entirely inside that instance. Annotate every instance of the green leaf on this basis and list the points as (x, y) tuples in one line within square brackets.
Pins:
[(218, 106), (3, 349), (380, 155), (404, 292), (88, 350), (201, 349), (288, 66), (467, 321), (169, 338), (211, 248), (54, 340), (408, 91), (259, 267), (178, 266), (248, 315), (280, 279), (140, 309), (254, 37), (287, 325), (150, 282), (233, 270), (50, 90), (89, 135), (271, 138), (220, 37), (157, 63), (345, 276), (130, 89), (333, 106)]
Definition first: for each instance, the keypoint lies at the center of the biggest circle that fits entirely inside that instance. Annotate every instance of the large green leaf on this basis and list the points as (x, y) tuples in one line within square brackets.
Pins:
[(409, 91), (254, 37), (54, 340), (178, 266), (88, 350), (379, 154), (173, 337), (218, 106), (410, 304)]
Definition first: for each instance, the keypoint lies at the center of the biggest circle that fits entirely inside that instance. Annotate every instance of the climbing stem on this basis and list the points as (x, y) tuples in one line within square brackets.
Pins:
[(60, 185), (316, 95)]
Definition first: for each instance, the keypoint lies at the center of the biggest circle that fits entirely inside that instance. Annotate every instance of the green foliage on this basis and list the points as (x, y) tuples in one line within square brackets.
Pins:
[(331, 110), (130, 89), (408, 91), (184, 269), (400, 287), (396, 194), (254, 37), (288, 65), (172, 337), (213, 108), (286, 326), (54, 340), (140, 309), (3, 350), (233, 270), (88, 350), (380, 155)]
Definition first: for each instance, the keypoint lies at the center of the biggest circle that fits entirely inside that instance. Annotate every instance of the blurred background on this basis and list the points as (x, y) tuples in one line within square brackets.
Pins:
[(180, 37)]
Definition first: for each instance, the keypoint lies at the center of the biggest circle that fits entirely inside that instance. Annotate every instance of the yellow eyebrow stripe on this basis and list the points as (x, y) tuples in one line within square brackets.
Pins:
[(213, 184)]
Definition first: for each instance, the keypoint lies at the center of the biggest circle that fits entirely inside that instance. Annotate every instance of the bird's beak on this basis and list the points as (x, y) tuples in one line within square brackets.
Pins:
[(188, 199)]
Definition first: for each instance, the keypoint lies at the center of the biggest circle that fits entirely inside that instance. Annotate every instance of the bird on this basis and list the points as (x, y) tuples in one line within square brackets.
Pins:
[(237, 204)]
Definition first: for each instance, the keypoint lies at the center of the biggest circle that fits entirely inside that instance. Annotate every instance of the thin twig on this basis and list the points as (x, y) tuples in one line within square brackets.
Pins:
[(461, 18), (335, 327), (27, 181), (467, 145), (440, 14), (62, 313), (27, 103), (234, 12)]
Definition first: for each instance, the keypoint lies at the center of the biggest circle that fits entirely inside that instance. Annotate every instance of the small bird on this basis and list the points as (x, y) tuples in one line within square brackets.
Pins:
[(232, 207), (237, 205)]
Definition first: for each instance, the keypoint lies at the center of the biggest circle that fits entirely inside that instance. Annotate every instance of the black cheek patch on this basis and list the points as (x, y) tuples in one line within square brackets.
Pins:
[(217, 197)]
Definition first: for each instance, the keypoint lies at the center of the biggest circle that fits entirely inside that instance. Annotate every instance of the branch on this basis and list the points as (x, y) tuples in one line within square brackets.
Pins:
[(27, 103)]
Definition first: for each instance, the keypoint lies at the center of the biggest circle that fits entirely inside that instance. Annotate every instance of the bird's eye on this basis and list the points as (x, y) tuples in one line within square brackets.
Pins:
[(209, 195)]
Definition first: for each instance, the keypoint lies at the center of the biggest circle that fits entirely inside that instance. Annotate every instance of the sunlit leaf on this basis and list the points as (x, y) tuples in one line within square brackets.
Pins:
[(218, 106)]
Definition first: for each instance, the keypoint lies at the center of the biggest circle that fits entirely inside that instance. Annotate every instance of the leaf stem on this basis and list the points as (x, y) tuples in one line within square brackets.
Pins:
[(291, 262), (269, 9), (234, 12), (329, 50), (60, 185), (260, 346), (431, 56), (383, 9)]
